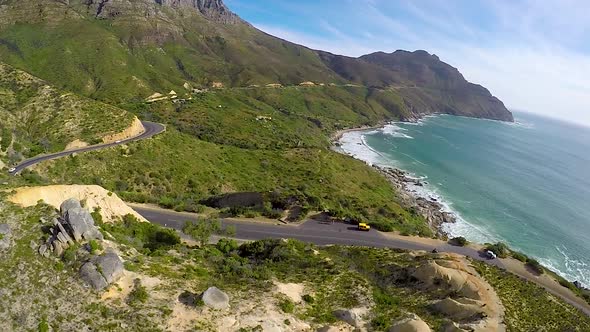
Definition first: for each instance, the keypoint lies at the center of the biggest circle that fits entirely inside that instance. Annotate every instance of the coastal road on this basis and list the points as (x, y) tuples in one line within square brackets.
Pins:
[(322, 233), (151, 129), (313, 231)]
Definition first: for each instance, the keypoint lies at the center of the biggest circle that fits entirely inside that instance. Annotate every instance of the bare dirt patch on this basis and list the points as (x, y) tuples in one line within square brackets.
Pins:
[(112, 207)]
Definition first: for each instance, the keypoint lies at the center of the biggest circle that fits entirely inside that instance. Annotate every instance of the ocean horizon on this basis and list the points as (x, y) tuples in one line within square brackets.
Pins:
[(525, 183)]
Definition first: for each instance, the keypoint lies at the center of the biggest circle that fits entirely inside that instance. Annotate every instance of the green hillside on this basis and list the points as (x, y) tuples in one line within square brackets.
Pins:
[(118, 51), (36, 118), (130, 55)]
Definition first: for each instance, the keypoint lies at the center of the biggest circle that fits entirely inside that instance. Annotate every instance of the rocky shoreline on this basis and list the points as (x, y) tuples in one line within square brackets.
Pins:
[(429, 208)]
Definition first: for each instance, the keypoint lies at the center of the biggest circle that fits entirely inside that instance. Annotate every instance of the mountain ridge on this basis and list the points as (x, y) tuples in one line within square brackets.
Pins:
[(140, 47)]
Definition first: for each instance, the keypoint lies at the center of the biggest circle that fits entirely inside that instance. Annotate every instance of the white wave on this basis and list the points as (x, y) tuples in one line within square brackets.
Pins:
[(574, 269), (420, 121), (520, 124), (394, 131), (353, 143), (461, 227)]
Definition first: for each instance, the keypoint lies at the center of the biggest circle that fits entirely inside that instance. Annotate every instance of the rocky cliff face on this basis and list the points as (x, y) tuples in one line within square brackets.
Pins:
[(214, 10)]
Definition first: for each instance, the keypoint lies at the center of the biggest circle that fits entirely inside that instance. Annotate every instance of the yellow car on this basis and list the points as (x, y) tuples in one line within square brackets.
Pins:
[(364, 227)]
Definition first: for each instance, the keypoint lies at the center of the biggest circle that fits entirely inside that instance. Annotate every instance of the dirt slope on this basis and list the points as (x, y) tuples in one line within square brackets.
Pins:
[(111, 205)]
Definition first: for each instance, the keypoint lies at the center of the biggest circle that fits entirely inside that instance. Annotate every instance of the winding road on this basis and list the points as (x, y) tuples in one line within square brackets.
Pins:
[(313, 231), (151, 129), (322, 233)]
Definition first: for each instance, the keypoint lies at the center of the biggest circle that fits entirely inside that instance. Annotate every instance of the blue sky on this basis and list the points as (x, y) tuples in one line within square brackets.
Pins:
[(534, 55)]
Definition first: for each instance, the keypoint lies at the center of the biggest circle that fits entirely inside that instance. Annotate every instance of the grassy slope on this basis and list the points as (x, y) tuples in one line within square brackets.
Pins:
[(179, 167), (37, 118), (529, 307), (131, 56), (42, 289), (301, 117), (219, 150)]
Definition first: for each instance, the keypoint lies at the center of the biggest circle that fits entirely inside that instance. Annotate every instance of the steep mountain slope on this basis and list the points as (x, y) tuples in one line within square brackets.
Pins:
[(427, 84), (37, 118), (119, 50)]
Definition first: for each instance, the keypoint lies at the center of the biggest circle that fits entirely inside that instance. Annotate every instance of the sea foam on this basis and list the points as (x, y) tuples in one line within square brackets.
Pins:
[(354, 144)]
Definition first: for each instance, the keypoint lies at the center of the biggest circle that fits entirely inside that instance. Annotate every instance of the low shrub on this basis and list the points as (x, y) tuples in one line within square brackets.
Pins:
[(382, 226), (96, 216), (70, 254), (202, 230), (519, 256), (138, 294), (535, 265), (143, 236), (43, 325), (226, 245), (459, 241), (94, 246), (381, 322), (308, 298), (287, 306), (273, 213), (500, 249)]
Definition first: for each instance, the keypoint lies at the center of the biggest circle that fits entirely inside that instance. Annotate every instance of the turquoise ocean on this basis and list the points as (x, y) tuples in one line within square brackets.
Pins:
[(525, 183)]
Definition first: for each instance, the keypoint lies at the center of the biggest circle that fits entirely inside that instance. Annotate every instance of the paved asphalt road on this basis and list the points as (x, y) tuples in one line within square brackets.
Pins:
[(151, 129), (337, 233), (313, 231)]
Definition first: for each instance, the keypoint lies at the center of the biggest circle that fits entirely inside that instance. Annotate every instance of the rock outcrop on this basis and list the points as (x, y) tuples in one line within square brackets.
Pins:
[(214, 10), (73, 225), (429, 208), (5, 236), (70, 203), (470, 301), (81, 224), (100, 271), (214, 298), (411, 324), (353, 317)]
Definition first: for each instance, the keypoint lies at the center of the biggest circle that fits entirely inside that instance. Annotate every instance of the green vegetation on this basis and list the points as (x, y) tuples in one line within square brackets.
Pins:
[(529, 307), (535, 266), (226, 245), (519, 256), (287, 306), (202, 230), (33, 116), (263, 118), (318, 179), (459, 241), (500, 249), (43, 325), (335, 276), (532, 263), (308, 298), (138, 294), (96, 216), (143, 236), (583, 293), (105, 68), (94, 246), (70, 255)]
